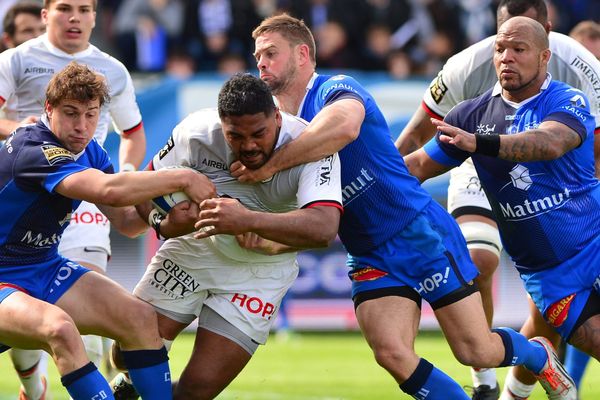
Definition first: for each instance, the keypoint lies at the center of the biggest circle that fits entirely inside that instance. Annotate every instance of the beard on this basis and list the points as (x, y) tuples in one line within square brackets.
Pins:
[(285, 80)]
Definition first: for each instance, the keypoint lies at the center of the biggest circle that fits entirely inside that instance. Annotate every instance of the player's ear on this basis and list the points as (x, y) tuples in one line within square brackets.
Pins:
[(48, 108)]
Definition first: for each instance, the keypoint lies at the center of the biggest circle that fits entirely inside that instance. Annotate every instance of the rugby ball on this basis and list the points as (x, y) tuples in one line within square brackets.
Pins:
[(163, 204)]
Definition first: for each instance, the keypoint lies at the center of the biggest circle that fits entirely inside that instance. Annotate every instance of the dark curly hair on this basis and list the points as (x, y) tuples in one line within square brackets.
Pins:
[(79, 83), (245, 94)]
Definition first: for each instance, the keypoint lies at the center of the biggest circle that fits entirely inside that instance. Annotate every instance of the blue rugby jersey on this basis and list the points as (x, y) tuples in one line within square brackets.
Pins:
[(33, 216), (547, 211), (380, 196)]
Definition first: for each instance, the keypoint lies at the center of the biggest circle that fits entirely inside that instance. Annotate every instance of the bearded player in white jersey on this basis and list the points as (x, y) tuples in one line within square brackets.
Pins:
[(24, 74), (467, 75), (233, 272)]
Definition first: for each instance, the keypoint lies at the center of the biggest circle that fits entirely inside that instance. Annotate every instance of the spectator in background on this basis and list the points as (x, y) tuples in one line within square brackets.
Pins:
[(588, 34), (218, 28), (23, 21), (339, 34), (146, 30)]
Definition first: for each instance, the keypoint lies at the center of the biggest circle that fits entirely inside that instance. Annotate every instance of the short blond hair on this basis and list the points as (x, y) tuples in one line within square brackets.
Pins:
[(292, 29)]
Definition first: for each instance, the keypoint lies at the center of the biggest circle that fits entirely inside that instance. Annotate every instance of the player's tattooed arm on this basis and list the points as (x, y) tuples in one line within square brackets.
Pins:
[(548, 142)]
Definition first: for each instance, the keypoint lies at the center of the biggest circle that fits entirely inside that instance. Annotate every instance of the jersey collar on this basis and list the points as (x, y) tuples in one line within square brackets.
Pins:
[(497, 91), (58, 52), (309, 86)]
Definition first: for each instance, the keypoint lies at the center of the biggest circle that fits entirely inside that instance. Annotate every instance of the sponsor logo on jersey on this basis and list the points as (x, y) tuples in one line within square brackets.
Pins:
[(486, 129), (66, 219), (39, 70), (167, 148), (436, 280), (214, 164), (438, 89), (254, 305), (339, 86), (63, 274), (357, 186), (87, 217), (558, 312), (324, 174), (589, 73), (521, 179), (173, 280), (39, 240), (366, 274), (55, 154)]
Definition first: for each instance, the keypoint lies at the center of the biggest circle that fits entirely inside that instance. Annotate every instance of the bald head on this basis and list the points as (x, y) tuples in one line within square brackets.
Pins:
[(524, 29)]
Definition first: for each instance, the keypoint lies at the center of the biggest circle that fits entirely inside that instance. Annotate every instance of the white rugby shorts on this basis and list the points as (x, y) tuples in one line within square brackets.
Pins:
[(246, 295), (465, 189), (89, 228)]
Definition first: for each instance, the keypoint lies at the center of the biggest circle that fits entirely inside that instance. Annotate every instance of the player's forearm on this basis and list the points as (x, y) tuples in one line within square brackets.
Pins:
[(7, 127), (300, 229), (125, 220), (331, 130), (132, 148), (537, 145), (416, 133)]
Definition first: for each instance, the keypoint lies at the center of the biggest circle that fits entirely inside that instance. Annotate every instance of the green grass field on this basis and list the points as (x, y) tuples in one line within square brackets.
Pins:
[(314, 367)]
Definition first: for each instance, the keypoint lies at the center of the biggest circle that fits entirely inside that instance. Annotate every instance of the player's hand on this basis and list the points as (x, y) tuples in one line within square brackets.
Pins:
[(256, 243), (455, 136), (222, 215), (199, 187), (247, 175), (32, 119), (180, 220)]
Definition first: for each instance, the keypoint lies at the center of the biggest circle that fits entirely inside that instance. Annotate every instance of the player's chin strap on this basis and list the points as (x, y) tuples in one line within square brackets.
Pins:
[(154, 220)]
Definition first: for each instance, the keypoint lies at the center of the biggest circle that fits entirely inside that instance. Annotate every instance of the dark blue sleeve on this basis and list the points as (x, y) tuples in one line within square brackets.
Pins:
[(571, 107), (341, 87)]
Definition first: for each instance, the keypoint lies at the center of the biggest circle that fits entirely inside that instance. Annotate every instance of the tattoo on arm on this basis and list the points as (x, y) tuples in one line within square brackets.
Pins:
[(538, 145)]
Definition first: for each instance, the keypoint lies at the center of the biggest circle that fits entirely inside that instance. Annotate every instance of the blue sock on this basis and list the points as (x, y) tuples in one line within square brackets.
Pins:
[(575, 363), (149, 373), (428, 382), (520, 351), (87, 383)]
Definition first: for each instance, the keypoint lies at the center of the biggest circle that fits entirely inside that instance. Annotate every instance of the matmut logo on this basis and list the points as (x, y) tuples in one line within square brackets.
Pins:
[(521, 179)]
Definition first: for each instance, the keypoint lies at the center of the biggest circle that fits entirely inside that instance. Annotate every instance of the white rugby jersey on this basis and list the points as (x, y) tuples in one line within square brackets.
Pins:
[(198, 142), (26, 70), (471, 72)]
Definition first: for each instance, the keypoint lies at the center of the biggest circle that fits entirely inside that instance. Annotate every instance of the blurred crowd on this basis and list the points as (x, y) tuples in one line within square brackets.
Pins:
[(403, 37)]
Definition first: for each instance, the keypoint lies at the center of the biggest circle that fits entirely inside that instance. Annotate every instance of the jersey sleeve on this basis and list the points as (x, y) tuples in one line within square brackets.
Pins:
[(572, 108), (124, 109), (338, 87), (176, 151), (320, 183), (7, 80), (446, 154)]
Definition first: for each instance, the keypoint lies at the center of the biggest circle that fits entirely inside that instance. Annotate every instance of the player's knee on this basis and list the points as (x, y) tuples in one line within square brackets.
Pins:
[(140, 320), (62, 335), (390, 356), (200, 388), (486, 262)]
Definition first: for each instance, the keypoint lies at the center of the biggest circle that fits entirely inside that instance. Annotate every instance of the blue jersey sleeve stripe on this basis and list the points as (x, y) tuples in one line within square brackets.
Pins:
[(433, 150), (569, 120), (339, 95)]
